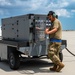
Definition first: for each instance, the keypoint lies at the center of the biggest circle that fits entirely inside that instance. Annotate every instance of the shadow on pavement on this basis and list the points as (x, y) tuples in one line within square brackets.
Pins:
[(29, 66), (34, 66)]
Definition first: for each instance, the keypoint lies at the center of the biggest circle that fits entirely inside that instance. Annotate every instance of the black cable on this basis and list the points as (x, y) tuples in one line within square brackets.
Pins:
[(70, 51)]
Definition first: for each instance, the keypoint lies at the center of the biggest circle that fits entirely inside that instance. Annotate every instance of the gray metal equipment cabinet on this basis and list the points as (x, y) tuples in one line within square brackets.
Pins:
[(22, 39)]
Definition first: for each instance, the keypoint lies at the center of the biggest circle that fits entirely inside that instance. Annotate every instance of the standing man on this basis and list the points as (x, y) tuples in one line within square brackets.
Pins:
[(55, 36)]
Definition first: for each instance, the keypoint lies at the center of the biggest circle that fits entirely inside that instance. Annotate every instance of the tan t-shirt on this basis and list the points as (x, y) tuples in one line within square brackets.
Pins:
[(58, 34)]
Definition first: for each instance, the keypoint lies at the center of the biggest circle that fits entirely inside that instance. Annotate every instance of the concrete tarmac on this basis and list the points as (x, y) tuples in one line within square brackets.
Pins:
[(41, 67)]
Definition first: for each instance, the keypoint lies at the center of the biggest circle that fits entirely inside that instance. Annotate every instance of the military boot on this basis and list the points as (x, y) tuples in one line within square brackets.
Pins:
[(60, 66), (53, 68)]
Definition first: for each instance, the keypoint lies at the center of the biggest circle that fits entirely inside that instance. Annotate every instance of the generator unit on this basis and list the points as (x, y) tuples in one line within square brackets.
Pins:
[(23, 36)]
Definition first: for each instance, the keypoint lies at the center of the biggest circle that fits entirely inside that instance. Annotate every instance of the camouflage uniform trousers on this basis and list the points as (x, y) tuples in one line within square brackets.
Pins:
[(53, 52)]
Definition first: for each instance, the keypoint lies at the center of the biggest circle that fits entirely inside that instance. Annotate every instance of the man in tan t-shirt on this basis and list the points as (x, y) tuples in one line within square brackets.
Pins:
[(55, 35)]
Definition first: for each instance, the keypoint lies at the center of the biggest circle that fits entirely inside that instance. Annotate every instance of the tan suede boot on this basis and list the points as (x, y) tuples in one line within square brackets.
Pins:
[(60, 66), (53, 68)]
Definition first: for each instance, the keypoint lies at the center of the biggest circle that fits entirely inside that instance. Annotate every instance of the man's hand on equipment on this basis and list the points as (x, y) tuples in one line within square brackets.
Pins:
[(47, 31)]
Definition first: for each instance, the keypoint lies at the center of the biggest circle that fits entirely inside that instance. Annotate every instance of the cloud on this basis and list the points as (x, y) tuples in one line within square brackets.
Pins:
[(23, 5), (38, 6), (2, 12), (58, 4), (62, 12), (72, 10), (30, 4), (4, 2)]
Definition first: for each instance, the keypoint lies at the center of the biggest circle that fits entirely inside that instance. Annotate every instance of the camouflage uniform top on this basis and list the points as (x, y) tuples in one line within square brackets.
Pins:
[(58, 34)]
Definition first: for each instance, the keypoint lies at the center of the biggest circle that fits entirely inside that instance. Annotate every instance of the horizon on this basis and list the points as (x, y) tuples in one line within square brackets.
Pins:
[(62, 30)]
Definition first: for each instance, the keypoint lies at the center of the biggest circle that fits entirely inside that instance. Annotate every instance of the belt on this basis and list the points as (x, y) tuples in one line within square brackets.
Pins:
[(55, 40)]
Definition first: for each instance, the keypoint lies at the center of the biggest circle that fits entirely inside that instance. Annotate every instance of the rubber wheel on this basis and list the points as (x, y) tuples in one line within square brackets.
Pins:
[(61, 56), (14, 60), (0, 59)]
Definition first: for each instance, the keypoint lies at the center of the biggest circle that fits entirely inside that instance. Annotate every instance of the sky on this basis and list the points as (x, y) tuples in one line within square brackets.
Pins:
[(65, 9)]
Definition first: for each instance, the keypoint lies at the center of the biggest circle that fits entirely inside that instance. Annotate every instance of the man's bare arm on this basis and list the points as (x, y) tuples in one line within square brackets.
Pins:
[(47, 31)]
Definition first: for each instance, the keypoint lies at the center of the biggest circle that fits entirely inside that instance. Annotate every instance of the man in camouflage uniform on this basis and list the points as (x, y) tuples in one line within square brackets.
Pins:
[(55, 35)]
